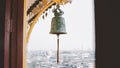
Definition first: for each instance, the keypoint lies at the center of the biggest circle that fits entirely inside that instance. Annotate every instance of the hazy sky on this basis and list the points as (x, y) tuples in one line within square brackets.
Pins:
[(79, 19)]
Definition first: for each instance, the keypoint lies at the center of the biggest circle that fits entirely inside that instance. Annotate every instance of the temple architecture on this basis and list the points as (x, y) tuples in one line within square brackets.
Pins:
[(18, 17)]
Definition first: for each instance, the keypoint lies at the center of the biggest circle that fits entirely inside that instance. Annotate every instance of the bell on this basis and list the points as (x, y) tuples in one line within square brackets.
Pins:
[(58, 22), (58, 26)]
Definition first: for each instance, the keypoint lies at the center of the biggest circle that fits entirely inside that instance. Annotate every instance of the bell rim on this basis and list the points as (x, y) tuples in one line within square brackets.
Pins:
[(58, 32)]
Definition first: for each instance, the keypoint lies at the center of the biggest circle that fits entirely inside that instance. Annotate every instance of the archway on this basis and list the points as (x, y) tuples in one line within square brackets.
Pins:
[(77, 22)]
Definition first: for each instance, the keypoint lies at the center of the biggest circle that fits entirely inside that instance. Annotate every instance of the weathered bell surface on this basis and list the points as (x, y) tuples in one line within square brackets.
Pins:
[(58, 23)]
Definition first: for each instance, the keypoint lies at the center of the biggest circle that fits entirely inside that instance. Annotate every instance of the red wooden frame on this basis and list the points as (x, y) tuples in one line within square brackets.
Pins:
[(13, 44), (20, 25), (7, 35)]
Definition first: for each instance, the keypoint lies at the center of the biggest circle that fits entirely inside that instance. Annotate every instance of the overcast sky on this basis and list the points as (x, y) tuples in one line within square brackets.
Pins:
[(79, 20)]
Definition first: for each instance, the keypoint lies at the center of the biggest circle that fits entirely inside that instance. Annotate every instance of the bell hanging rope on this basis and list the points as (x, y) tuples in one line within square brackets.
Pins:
[(58, 26)]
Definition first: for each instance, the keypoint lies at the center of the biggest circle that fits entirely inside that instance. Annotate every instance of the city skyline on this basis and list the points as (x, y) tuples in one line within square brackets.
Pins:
[(68, 59)]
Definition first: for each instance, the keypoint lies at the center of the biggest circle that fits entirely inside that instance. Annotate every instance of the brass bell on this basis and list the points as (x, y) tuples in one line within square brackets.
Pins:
[(58, 22), (58, 26)]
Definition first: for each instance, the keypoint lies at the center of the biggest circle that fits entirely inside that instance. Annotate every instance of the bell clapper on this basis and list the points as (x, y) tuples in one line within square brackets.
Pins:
[(57, 48)]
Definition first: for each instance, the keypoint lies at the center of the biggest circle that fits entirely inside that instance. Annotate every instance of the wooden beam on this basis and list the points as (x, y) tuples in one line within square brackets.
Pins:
[(25, 36)]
